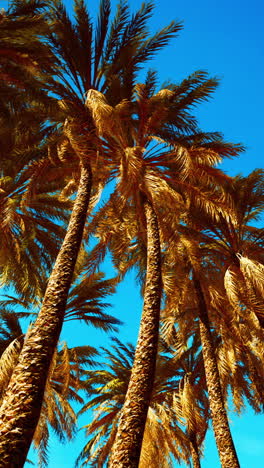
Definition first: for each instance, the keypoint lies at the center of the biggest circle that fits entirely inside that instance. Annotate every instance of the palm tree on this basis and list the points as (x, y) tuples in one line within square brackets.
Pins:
[(226, 364), (41, 340), (195, 275), (85, 303), (235, 245), (222, 432), (236, 248), (145, 172), (218, 241), (164, 438)]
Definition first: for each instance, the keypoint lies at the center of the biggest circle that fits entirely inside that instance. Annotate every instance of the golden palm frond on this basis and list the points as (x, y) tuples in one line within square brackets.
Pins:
[(8, 361), (232, 288), (253, 272)]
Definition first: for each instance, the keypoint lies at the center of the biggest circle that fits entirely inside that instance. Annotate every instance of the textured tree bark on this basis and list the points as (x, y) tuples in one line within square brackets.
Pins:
[(127, 447), (223, 437), (21, 406), (194, 450)]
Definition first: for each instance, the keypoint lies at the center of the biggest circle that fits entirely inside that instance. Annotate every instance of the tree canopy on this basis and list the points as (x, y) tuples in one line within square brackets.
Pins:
[(102, 164)]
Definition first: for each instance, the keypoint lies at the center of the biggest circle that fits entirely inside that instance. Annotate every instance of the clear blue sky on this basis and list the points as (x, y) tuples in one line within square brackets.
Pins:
[(226, 39)]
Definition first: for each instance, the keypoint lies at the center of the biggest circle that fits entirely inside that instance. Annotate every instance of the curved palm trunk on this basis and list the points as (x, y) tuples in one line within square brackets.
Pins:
[(194, 451), (127, 447), (223, 437), (21, 406)]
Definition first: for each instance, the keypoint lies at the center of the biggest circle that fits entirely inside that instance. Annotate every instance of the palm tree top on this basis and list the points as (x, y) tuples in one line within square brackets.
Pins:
[(107, 54)]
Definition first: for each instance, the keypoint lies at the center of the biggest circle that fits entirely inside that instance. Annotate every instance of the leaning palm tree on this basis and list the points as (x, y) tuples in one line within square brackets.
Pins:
[(236, 248), (85, 303), (41, 340)]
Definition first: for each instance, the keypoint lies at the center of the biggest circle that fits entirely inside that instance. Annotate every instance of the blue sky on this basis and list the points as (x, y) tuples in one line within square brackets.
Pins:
[(226, 39)]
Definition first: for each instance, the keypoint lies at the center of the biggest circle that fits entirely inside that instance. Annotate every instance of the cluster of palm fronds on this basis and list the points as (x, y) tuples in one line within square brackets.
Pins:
[(74, 118)]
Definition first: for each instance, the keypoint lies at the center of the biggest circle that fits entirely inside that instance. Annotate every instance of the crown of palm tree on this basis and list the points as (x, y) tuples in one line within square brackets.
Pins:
[(107, 55), (235, 246), (237, 338), (173, 172)]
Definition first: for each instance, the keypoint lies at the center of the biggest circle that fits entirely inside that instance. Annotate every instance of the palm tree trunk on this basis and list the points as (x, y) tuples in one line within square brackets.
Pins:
[(223, 437), (21, 406), (194, 451), (127, 447)]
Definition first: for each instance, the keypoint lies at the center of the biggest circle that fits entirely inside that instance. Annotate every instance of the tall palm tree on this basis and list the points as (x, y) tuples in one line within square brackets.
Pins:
[(195, 276), (238, 361), (147, 178), (236, 248), (217, 245), (41, 340)]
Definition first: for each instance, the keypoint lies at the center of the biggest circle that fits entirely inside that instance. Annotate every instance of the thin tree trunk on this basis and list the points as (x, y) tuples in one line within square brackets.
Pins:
[(223, 437), (194, 451), (127, 447), (21, 406)]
